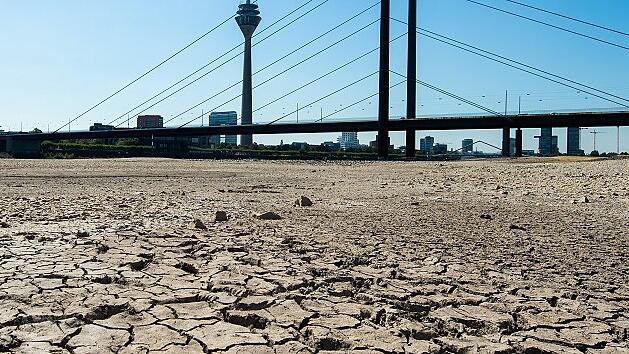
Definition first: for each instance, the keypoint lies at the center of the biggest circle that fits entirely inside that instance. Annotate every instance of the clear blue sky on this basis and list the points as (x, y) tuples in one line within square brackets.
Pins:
[(61, 57)]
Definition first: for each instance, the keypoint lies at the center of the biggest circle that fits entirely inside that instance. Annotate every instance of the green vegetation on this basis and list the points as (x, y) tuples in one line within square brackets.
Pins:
[(129, 142)]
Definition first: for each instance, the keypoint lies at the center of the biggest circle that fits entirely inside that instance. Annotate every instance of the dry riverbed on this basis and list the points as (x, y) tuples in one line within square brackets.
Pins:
[(127, 256)]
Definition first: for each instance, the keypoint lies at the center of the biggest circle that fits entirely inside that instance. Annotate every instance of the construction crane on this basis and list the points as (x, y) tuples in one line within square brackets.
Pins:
[(596, 132)]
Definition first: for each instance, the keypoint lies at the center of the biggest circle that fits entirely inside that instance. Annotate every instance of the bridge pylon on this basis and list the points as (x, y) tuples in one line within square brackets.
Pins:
[(383, 109), (411, 75)]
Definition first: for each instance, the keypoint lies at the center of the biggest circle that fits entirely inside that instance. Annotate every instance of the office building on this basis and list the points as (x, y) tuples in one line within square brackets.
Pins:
[(426, 144), (574, 142), (150, 121), (349, 140), (221, 119), (467, 146)]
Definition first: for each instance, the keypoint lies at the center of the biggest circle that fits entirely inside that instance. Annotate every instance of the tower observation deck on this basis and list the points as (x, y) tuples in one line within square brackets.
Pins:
[(248, 19)]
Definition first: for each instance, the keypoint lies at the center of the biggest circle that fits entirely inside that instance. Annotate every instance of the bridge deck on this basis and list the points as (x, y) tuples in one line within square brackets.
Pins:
[(594, 119)]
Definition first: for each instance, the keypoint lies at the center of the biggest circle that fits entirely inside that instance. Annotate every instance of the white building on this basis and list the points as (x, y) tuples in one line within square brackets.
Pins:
[(349, 141)]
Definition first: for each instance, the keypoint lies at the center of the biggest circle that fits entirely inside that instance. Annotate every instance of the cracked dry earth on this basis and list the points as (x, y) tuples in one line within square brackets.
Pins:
[(100, 256)]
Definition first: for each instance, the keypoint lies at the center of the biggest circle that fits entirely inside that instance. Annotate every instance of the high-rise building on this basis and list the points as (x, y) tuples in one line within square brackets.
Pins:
[(248, 19), (467, 146), (150, 121), (426, 144), (574, 142), (220, 119), (349, 140)]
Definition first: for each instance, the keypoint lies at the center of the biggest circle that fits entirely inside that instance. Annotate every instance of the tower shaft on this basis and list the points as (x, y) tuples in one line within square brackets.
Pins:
[(247, 94)]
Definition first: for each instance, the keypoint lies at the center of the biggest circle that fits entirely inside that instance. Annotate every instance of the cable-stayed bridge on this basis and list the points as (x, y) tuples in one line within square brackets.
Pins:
[(248, 18)]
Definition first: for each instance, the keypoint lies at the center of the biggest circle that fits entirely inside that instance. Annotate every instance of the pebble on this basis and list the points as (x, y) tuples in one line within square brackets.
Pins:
[(269, 216), (221, 216), (198, 224), (304, 202)]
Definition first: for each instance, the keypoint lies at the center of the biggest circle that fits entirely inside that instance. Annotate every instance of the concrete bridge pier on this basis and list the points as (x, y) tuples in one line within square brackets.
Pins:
[(506, 142), (518, 142), (23, 148)]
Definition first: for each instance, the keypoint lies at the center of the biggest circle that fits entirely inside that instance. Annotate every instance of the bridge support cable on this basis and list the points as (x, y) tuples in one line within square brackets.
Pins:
[(447, 40), (459, 98), (568, 17), (146, 73), (321, 36), (356, 103), (220, 65), (532, 72), (308, 105), (549, 25), (522, 64), (173, 93), (513, 64), (325, 75), (273, 77), (326, 96)]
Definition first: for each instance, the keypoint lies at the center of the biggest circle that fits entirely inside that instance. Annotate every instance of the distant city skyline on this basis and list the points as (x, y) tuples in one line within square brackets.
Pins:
[(63, 57)]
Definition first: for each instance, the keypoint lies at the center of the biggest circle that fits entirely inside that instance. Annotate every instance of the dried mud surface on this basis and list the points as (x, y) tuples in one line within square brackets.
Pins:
[(100, 256)]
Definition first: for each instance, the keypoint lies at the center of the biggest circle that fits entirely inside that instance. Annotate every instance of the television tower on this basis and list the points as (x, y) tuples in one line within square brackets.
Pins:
[(248, 19)]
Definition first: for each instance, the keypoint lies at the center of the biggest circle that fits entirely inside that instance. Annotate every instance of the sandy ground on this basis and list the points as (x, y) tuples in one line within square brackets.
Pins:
[(101, 256)]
